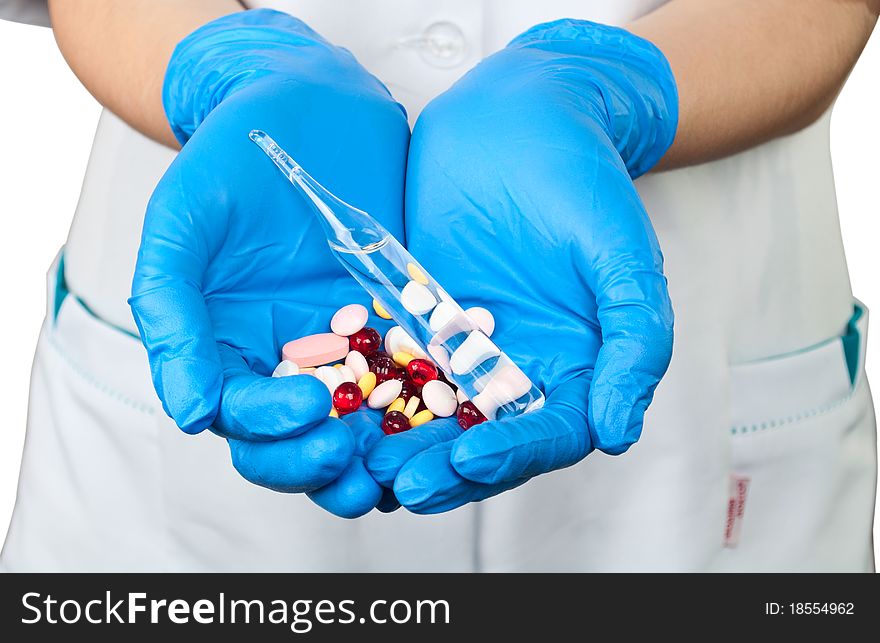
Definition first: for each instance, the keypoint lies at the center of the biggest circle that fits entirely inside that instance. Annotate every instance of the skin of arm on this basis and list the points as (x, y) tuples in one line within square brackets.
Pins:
[(747, 70), (751, 70), (119, 51)]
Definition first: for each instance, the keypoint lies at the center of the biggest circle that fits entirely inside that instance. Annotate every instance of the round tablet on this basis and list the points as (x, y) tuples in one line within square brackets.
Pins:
[(439, 398), (286, 369), (315, 350), (417, 299), (349, 319), (442, 315), (484, 319)]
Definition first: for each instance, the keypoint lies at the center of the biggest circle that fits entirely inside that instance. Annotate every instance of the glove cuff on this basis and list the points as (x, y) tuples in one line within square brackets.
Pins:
[(228, 53), (632, 76)]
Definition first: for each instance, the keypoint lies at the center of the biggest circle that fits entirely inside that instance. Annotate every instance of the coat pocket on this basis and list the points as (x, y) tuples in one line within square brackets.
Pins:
[(803, 459)]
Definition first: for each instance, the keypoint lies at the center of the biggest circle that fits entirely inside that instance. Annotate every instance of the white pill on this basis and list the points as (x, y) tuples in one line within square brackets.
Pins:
[(384, 394), (417, 299), (486, 404), (391, 339), (484, 319), (349, 319), (408, 345), (398, 340), (460, 396), (508, 383), (439, 355), (439, 398), (460, 323), (474, 350), (348, 374), (331, 377), (285, 369), (482, 380), (357, 363), (442, 315)]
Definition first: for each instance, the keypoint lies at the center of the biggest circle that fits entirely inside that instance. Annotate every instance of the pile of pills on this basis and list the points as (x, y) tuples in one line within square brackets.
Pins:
[(358, 367)]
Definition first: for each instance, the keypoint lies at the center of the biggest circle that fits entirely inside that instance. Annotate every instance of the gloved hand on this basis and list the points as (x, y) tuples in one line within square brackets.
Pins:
[(520, 198), (232, 263)]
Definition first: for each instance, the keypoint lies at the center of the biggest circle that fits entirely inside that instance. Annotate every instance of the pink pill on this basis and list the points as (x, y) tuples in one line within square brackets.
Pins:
[(349, 319), (316, 350)]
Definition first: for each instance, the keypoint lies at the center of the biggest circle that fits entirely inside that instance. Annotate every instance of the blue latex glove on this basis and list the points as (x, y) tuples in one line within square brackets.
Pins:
[(520, 198), (232, 263)]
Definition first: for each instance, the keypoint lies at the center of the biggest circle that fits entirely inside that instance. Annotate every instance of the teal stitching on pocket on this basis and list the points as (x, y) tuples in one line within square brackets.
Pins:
[(791, 419), (851, 344), (61, 293), (96, 383), (61, 290)]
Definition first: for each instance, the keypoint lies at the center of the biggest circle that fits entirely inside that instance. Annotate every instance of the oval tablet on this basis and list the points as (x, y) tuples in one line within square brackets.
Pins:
[(357, 363), (348, 374), (384, 394), (315, 350), (397, 405), (380, 310), (439, 398), (420, 418), (417, 299), (367, 383), (331, 377), (402, 358), (411, 406), (416, 274), (349, 319)]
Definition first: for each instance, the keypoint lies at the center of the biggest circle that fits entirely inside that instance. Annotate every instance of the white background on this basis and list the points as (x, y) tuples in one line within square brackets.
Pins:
[(48, 122)]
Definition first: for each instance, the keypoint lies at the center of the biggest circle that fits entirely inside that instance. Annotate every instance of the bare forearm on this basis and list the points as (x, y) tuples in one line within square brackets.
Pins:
[(751, 70), (119, 50)]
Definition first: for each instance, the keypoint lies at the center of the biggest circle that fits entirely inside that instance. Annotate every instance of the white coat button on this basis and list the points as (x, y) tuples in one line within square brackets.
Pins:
[(441, 44)]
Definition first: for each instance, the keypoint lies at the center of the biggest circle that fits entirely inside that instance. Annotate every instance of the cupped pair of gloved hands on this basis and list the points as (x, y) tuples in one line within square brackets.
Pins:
[(515, 192)]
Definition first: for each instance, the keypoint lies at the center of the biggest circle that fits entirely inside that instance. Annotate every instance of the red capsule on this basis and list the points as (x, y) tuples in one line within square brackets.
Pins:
[(373, 357), (421, 371), (469, 415), (395, 422), (347, 398), (384, 368), (408, 390), (367, 340)]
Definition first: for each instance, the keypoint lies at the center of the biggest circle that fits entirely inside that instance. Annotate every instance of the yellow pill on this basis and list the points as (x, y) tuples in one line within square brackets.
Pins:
[(380, 310), (402, 358), (367, 383), (416, 274), (421, 417), (334, 413), (396, 405), (337, 366), (411, 405)]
